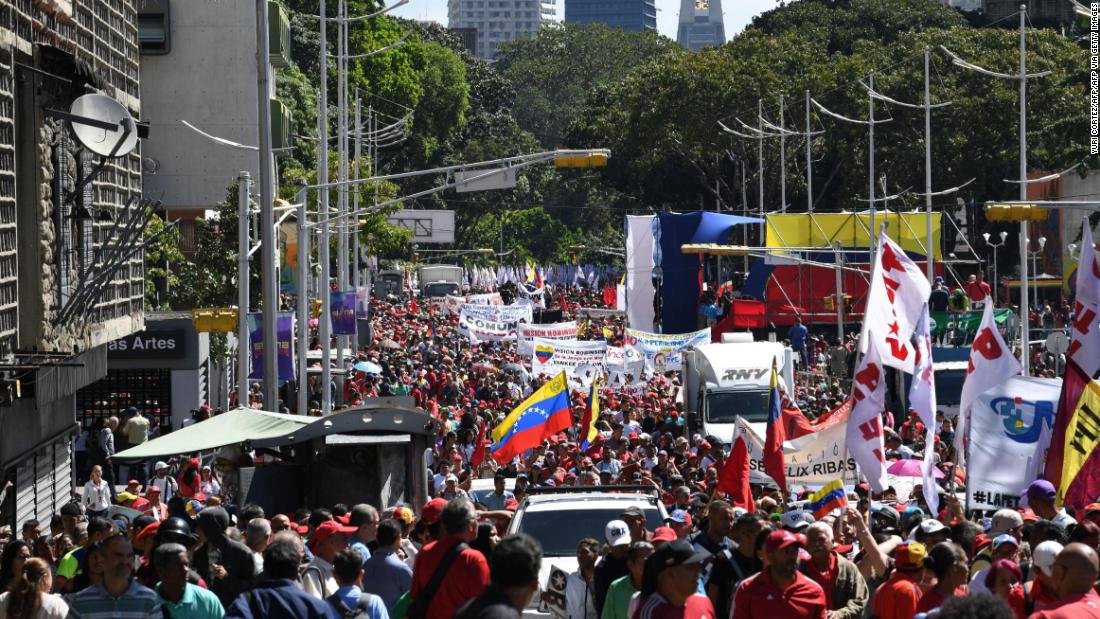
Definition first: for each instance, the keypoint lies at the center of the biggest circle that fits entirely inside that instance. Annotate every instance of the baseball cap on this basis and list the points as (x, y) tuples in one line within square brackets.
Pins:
[(633, 511), (881, 511), (327, 529), (680, 516), (133, 482), (616, 533), (1004, 538), (663, 534), (796, 519), (433, 510), (781, 538), (1041, 489), (148, 530), (161, 464), (675, 553), (1044, 555), (1004, 521), (910, 556), (126, 496)]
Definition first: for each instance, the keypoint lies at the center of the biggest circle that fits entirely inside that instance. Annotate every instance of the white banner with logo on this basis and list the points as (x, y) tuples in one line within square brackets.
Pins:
[(489, 298), (813, 460), (478, 329), (560, 331), (1009, 434), (662, 351), (453, 304), (552, 356), (500, 313)]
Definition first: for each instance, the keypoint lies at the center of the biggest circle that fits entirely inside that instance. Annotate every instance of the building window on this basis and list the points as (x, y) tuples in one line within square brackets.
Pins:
[(154, 27)]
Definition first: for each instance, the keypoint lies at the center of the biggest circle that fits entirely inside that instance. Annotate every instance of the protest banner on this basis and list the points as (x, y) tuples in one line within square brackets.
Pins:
[(552, 356), (662, 351), (482, 330), (560, 331), (500, 313), (814, 459)]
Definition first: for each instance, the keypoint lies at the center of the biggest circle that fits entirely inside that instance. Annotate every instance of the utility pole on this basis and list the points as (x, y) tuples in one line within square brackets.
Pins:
[(809, 162), (929, 249), (342, 170), (324, 324), (355, 274), (244, 348), (871, 166), (303, 302), (782, 160), (267, 212)]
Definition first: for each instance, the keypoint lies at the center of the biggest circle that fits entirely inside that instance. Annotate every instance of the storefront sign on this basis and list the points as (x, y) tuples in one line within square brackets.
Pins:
[(168, 344)]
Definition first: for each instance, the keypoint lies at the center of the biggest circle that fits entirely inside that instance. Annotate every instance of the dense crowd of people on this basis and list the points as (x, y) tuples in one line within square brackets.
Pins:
[(186, 548)]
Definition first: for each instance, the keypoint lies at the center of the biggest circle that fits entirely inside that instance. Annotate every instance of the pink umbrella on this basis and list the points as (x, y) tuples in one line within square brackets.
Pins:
[(911, 468)]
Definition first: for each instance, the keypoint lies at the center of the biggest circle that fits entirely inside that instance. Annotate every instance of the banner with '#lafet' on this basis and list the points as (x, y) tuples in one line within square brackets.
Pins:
[(662, 351), (284, 341), (499, 313), (560, 331), (1010, 428), (343, 312), (813, 459), (552, 356), (482, 330)]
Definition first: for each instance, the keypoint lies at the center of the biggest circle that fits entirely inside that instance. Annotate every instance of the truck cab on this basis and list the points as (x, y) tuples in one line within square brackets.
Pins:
[(731, 379), (391, 282), (439, 280)]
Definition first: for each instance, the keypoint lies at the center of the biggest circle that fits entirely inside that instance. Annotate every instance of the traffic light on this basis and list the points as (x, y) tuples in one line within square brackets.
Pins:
[(215, 320), (1015, 212), (596, 159)]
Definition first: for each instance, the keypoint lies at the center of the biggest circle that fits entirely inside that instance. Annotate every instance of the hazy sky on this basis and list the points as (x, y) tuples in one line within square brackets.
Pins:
[(738, 13)]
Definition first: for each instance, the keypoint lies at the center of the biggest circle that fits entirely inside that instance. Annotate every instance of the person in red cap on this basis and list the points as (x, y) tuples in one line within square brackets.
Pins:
[(780, 590), (463, 571), (899, 596), (190, 481), (327, 540)]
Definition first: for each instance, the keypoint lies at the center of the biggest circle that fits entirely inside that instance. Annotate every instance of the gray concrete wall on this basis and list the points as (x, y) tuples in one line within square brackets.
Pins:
[(209, 79)]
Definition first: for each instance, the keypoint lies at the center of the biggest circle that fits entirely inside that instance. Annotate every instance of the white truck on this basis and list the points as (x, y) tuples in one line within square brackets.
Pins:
[(436, 281), (731, 379)]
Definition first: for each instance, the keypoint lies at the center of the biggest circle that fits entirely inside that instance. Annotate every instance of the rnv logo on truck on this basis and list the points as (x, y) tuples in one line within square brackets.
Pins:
[(745, 374)]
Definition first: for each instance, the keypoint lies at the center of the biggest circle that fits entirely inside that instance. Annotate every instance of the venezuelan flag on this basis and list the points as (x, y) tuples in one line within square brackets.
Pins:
[(591, 414), (830, 497), (544, 414), (774, 464)]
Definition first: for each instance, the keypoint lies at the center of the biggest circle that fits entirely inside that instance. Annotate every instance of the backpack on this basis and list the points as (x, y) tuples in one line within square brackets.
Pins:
[(360, 609)]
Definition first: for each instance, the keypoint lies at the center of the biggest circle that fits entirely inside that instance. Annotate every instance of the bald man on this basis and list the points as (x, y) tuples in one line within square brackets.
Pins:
[(1074, 572)]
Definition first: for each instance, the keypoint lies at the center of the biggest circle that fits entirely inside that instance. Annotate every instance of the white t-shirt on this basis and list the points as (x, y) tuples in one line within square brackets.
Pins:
[(52, 607)]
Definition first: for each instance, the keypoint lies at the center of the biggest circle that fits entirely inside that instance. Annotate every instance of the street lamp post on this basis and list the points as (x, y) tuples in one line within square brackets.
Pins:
[(985, 236), (1035, 268)]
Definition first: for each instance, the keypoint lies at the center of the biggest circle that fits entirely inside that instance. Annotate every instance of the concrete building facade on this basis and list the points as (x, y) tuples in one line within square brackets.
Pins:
[(499, 21), (628, 15), (701, 24), (71, 272)]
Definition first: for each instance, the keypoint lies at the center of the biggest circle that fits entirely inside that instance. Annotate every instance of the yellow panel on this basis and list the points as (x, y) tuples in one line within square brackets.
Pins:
[(851, 230)]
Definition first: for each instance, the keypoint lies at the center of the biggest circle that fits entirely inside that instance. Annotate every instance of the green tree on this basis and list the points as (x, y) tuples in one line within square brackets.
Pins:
[(162, 260), (553, 71)]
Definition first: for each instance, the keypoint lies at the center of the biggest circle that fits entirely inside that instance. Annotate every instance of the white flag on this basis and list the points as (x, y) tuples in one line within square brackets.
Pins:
[(991, 363), (864, 436), (895, 300), (1084, 347), (922, 399)]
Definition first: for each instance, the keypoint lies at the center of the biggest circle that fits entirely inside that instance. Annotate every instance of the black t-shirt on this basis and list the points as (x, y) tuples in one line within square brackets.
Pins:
[(937, 301), (491, 604), (608, 570), (730, 568)]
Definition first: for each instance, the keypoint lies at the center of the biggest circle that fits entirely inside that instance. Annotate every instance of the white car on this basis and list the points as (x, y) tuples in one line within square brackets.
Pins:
[(559, 518)]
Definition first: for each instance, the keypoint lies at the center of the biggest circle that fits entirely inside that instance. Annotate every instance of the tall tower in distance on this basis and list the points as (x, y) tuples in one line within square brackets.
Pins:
[(701, 24)]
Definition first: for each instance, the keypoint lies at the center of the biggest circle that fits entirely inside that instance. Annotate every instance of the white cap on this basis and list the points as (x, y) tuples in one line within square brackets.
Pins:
[(796, 519), (930, 525), (161, 464), (616, 533), (1044, 555), (450, 477)]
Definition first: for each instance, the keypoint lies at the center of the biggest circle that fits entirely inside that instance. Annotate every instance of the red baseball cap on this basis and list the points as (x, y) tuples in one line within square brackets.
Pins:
[(663, 534), (782, 538), (327, 529), (433, 510)]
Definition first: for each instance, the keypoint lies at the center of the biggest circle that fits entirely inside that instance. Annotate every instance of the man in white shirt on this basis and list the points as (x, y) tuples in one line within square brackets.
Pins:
[(328, 539), (579, 592), (163, 481)]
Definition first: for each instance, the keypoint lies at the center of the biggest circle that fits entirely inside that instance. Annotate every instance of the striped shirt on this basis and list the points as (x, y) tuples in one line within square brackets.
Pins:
[(96, 602)]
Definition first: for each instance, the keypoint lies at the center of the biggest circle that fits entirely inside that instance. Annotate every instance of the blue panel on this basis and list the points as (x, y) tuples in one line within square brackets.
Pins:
[(680, 273)]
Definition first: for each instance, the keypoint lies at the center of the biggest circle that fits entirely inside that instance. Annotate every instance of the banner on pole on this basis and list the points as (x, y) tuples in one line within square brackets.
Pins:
[(362, 302), (813, 459), (575, 357), (662, 351), (526, 334), (500, 313), (284, 342), (342, 308), (482, 330), (1009, 435)]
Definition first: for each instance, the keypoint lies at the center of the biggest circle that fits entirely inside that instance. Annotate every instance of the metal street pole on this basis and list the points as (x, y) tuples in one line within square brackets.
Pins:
[(782, 160), (243, 347), (809, 161), (760, 158), (303, 303), (839, 292), (929, 250), (342, 173), (1025, 356), (355, 273), (267, 213), (871, 164), (324, 323)]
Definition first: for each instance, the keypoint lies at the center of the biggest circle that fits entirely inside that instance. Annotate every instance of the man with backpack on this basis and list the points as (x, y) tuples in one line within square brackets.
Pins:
[(448, 573), (349, 601)]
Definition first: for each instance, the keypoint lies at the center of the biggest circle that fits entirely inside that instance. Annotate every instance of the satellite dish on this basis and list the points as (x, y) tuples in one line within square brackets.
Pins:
[(103, 110)]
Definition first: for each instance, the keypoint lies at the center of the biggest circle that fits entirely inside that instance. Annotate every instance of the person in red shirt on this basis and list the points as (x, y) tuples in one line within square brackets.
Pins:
[(948, 562), (780, 590), (898, 597), (1075, 570), (976, 288), (670, 585), (1041, 593), (466, 577)]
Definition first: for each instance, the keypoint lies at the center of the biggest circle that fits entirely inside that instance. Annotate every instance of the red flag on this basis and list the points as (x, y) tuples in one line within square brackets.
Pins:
[(734, 477), (1073, 385), (435, 408), (774, 465), (481, 450)]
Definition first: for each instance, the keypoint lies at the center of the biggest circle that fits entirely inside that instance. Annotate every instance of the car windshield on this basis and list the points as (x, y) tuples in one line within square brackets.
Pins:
[(441, 289), (561, 541), (949, 386), (725, 406)]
